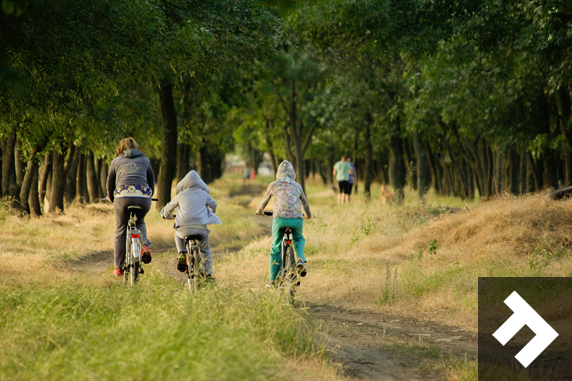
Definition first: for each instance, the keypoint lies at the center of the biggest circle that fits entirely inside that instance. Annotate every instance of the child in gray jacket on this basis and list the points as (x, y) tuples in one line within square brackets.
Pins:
[(195, 210)]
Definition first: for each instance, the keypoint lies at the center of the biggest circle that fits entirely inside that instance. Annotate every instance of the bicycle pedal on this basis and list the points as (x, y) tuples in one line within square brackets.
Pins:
[(141, 271)]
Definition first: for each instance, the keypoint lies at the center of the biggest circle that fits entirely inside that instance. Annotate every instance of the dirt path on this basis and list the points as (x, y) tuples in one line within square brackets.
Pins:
[(366, 344), (376, 346)]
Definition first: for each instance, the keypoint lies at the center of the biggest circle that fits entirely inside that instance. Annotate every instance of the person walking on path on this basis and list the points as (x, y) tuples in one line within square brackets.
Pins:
[(342, 170), (130, 182)]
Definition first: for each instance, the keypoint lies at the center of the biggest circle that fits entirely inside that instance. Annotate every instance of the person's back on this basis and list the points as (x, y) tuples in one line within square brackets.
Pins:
[(342, 170), (195, 210), (130, 182), (289, 198)]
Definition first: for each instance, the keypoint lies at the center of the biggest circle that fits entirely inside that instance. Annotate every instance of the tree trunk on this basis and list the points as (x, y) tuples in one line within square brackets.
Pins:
[(31, 171), (97, 170), (169, 143), (397, 167), (523, 170), (435, 178), (46, 174), (411, 171), (537, 167), (270, 144), (104, 170), (183, 160), (19, 164), (8, 167), (368, 168), (423, 173), (58, 184), (33, 197), (499, 172), (81, 181), (203, 164), (549, 176), (71, 174), (514, 171), (564, 104), (92, 182)]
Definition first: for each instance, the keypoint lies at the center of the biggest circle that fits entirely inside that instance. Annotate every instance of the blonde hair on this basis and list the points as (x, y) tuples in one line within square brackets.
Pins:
[(127, 143)]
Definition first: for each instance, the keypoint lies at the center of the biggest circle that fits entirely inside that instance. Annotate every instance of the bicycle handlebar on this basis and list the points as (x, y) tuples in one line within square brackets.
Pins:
[(106, 200), (270, 214)]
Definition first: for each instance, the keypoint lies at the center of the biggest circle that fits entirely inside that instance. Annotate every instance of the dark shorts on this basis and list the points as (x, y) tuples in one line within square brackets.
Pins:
[(350, 187), (345, 187)]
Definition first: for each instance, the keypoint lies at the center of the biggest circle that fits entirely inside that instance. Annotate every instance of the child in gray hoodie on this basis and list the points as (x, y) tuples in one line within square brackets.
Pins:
[(195, 210)]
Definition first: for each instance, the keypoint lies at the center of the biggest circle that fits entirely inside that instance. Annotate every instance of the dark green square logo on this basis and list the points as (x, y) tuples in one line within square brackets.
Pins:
[(525, 329)]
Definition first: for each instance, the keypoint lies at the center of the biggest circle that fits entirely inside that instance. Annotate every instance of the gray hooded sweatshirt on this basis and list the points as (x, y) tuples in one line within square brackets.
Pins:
[(132, 167), (195, 206)]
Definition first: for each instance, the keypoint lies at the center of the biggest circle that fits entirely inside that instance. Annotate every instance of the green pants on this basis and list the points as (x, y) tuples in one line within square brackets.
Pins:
[(278, 227)]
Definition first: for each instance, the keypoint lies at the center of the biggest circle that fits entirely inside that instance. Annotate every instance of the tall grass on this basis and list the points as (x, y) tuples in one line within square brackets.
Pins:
[(158, 330)]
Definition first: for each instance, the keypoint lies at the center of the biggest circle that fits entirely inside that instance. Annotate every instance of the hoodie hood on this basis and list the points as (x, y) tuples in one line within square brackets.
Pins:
[(132, 153), (285, 170), (192, 180)]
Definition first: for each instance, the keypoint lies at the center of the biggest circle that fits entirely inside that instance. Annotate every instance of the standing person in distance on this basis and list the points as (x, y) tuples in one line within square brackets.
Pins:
[(130, 182), (342, 171)]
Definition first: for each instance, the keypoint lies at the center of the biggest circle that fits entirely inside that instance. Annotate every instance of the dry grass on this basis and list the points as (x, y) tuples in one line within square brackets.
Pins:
[(413, 260)]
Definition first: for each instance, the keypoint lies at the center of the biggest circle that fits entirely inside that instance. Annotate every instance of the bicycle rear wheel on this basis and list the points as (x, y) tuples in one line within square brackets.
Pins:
[(135, 263), (192, 276), (289, 274)]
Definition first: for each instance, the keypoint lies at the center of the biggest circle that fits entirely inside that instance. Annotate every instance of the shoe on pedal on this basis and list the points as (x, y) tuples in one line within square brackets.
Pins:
[(301, 268), (210, 279), (146, 256), (182, 262), (118, 272)]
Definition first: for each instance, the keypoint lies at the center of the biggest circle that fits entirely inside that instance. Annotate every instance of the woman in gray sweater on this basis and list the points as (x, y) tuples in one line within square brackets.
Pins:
[(130, 182)]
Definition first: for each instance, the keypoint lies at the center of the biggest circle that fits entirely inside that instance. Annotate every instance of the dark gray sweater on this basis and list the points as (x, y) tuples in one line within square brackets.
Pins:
[(130, 168)]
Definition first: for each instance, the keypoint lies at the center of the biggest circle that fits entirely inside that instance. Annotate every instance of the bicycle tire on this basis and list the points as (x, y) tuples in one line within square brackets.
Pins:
[(196, 270), (191, 268), (289, 274), (127, 265), (135, 265)]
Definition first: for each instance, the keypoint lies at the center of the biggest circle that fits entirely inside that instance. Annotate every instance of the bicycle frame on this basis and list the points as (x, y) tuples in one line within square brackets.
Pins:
[(133, 252), (289, 274), (194, 261)]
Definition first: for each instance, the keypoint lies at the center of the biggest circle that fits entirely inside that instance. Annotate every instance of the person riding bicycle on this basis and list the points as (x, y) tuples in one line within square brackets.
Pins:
[(195, 210), (130, 182), (289, 198)]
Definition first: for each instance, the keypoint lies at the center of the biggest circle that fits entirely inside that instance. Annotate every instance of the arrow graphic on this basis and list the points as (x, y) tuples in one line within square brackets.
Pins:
[(523, 315)]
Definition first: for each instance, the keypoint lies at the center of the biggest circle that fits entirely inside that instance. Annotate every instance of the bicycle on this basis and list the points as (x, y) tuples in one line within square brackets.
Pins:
[(194, 260), (289, 279), (133, 248)]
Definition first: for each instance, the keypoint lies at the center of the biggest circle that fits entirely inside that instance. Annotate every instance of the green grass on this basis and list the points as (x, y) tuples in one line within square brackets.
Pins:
[(155, 331)]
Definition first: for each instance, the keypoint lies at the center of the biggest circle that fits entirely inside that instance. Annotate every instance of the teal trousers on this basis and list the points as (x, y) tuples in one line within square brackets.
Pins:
[(278, 227)]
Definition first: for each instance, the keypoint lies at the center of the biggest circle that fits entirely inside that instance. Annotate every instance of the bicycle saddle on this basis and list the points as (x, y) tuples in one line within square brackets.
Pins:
[(193, 237), (133, 207)]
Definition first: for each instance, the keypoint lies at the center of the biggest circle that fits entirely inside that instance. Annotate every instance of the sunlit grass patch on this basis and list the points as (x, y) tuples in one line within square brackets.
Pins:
[(157, 330)]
